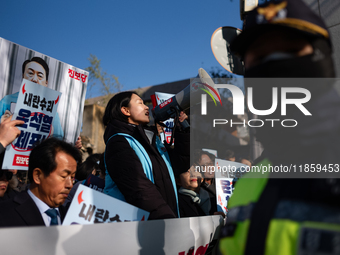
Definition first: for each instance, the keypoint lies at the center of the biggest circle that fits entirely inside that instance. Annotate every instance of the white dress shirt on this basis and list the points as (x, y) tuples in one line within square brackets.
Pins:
[(43, 207)]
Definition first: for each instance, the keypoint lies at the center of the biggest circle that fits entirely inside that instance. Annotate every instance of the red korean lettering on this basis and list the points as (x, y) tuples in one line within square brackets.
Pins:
[(71, 73), (83, 77), (77, 76)]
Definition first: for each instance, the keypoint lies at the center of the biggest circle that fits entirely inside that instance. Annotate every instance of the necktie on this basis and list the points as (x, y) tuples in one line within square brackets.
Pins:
[(54, 216)]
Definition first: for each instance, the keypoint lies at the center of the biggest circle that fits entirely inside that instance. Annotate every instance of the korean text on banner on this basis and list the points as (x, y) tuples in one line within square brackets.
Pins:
[(90, 206), (226, 174), (166, 135), (18, 62), (37, 107)]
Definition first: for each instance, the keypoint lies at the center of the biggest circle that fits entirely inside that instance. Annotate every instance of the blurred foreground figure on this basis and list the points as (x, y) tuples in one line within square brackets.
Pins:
[(52, 167), (285, 39)]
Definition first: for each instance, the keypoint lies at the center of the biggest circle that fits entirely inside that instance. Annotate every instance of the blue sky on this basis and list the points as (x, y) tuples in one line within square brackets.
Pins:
[(142, 42)]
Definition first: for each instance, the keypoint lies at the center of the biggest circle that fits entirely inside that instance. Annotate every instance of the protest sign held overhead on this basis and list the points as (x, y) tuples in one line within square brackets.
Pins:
[(18, 62), (166, 135), (37, 107)]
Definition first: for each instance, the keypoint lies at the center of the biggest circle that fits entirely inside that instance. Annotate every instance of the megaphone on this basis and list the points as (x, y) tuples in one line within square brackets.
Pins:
[(186, 98)]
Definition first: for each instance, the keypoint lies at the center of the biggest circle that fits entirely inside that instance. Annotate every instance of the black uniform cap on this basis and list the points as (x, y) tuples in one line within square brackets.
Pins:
[(288, 14)]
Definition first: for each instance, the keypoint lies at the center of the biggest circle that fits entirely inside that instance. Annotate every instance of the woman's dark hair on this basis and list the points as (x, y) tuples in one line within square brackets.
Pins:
[(198, 154), (86, 168), (113, 108)]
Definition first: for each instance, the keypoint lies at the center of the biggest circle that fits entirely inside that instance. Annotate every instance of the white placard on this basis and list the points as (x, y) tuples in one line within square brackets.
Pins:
[(90, 206), (226, 173), (160, 98), (37, 107)]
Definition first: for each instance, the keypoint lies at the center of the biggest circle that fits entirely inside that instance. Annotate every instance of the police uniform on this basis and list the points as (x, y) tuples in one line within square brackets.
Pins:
[(290, 216)]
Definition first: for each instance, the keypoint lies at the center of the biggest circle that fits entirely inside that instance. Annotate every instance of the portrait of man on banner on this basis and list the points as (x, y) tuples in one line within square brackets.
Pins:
[(35, 70), (18, 63)]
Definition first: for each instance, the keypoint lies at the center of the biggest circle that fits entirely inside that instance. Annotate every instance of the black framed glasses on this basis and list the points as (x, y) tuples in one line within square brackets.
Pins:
[(6, 174)]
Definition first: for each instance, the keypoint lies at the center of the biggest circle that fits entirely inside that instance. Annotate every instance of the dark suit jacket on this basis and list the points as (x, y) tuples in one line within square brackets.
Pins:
[(22, 211)]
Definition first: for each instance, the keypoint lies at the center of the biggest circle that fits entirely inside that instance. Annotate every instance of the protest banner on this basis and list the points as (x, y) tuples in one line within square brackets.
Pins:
[(18, 62), (160, 98), (37, 107), (226, 174), (94, 182), (172, 236), (90, 206)]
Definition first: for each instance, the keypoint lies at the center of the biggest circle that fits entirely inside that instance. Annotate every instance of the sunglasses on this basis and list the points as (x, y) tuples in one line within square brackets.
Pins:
[(6, 174)]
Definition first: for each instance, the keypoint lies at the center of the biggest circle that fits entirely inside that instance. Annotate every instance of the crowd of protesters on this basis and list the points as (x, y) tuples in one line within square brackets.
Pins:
[(172, 188), (168, 190)]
